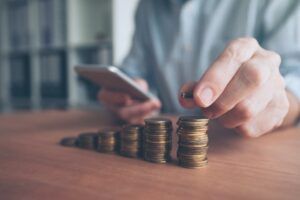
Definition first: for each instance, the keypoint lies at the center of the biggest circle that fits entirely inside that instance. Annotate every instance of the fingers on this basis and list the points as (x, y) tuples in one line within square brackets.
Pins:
[(249, 79), (217, 77), (138, 111), (185, 102), (125, 107), (109, 97), (253, 105), (267, 120), (248, 108)]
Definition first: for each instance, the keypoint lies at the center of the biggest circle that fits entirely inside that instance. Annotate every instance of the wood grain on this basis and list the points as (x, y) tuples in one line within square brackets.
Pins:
[(34, 166)]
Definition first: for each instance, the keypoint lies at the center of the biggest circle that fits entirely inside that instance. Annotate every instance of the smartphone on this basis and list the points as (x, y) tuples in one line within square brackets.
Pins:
[(112, 78)]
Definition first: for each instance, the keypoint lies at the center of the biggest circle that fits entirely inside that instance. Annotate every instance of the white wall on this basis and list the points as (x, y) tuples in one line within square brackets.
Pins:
[(123, 27)]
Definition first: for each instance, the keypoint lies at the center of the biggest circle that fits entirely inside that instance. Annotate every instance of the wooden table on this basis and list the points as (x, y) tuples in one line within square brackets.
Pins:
[(34, 166)]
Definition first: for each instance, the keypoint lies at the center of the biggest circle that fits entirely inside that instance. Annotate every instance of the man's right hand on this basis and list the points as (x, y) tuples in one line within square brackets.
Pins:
[(126, 108)]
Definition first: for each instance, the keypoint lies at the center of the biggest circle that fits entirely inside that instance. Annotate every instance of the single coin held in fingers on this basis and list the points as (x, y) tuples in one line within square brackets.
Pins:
[(187, 95)]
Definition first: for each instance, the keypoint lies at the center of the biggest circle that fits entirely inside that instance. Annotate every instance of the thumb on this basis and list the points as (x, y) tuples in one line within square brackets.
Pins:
[(156, 104)]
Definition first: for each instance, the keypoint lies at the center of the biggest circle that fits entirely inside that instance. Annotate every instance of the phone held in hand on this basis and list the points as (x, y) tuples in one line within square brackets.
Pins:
[(112, 78)]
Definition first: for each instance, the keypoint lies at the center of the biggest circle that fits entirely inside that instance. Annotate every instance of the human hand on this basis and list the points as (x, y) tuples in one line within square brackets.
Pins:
[(126, 108), (243, 89)]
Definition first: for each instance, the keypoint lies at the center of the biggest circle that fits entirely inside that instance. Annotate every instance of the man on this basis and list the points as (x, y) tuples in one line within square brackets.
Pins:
[(241, 59)]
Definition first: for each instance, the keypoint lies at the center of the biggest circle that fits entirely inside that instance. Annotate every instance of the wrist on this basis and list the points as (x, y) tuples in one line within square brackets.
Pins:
[(293, 114)]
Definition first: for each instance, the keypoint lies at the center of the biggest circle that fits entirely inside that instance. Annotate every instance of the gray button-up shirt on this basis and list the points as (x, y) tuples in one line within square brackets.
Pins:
[(175, 41)]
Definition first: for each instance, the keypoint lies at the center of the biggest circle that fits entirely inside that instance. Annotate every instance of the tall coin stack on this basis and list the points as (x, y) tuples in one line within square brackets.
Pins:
[(157, 140), (87, 140), (107, 141), (131, 141), (192, 143)]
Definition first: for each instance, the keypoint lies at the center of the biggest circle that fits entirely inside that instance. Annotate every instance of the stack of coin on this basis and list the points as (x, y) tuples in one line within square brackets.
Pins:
[(131, 140), (157, 140), (107, 140), (87, 140), (192, 143), (69, 141)]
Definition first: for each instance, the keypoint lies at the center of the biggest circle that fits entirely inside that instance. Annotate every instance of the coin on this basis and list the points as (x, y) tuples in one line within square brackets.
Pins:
[(193, 164), (187, 95), (158, 121)]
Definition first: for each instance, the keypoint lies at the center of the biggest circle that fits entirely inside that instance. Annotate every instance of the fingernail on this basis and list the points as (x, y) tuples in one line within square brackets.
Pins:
[(206, 96)]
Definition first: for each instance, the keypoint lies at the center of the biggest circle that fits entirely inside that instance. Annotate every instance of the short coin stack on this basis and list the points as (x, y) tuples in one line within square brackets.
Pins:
[(106, 141), (87, 140), (157, 140), (69, 142), (192, 143), (131, 141)]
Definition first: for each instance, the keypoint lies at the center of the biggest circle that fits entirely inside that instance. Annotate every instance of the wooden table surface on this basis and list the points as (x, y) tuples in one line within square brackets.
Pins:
[(34, 166)]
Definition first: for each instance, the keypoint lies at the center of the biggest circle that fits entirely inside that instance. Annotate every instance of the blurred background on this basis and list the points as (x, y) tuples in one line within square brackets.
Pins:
[(42, 40)]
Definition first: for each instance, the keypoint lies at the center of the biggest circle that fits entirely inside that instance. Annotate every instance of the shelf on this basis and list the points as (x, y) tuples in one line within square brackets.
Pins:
[(89, 21), (52, 22), (53, 73), (78, 31), (18, 24), (20, 75)]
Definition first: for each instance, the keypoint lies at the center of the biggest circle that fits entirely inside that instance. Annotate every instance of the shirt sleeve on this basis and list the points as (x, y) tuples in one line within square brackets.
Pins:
[(281, 24), (135, 63)]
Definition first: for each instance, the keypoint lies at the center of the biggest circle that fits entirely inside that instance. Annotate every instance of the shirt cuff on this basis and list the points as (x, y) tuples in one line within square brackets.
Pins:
[(292, 83)]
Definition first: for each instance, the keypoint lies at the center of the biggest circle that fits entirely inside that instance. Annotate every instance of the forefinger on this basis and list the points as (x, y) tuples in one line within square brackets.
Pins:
[(217, 77)]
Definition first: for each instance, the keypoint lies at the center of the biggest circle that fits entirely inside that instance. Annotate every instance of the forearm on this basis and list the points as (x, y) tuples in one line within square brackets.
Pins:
[(294, 111)]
